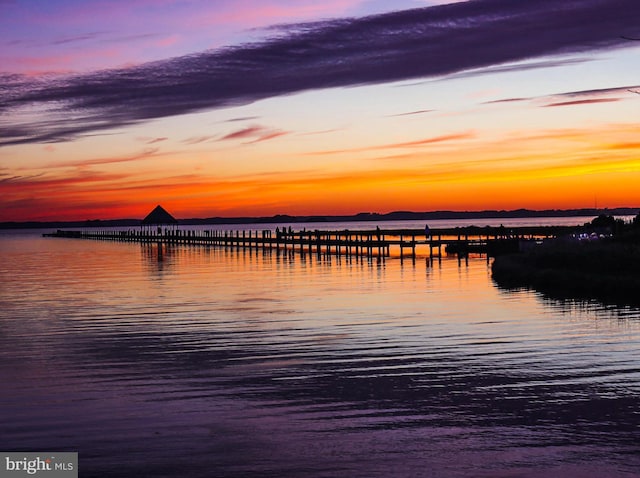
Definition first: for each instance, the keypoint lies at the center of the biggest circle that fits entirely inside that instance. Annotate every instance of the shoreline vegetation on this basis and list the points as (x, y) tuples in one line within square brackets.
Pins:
[(363, 216), (599, 261)]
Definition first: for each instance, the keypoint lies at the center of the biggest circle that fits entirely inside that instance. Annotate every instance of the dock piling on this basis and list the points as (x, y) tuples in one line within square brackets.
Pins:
[(361, 244)]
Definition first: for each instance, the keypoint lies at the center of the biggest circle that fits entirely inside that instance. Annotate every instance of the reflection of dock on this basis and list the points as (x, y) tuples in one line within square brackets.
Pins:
[(375, 243)]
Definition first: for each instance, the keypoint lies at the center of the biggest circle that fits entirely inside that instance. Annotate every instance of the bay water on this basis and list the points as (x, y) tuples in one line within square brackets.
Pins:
[(193, 361)]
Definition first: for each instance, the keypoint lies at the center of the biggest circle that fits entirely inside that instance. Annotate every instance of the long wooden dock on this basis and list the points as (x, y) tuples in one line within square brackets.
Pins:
[(371, 243)]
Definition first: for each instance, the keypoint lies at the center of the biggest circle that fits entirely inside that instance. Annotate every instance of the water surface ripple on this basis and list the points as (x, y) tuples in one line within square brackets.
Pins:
[(191, 361)]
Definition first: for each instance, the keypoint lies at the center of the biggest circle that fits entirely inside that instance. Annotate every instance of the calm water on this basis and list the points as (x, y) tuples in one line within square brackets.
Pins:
[(199, 362)]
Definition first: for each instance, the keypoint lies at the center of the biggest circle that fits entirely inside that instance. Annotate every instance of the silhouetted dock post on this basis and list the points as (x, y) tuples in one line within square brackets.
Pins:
[(430, 239), (318, 243), (413, 247)]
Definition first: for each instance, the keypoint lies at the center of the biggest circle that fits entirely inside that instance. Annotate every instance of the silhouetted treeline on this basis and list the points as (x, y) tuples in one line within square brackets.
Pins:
[(363, 216)]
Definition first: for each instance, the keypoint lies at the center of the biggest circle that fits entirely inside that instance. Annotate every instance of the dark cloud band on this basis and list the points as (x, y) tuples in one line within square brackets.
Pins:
[(396, 46)]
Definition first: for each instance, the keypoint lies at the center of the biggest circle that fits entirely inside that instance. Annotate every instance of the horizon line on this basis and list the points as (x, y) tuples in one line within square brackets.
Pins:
[(360, 216)]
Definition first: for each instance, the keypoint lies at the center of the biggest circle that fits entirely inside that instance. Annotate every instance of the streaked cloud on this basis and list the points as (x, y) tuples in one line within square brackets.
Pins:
[(77, 38), (42, 181), (248, 132), (427, 42), (242, 118), (465, 135), (583, 102), (146, 154), (493, 170), (411, 113), (157, 140), (199, 139), (506, 100), (517, 67), (254, 134), (569, 98)]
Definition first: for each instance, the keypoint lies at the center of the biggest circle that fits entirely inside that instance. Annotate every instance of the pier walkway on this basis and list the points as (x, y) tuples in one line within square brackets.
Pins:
[(372, 243)]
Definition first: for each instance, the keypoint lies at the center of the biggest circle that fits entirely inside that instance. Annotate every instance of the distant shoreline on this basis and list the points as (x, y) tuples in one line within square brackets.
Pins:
[(364, 216)]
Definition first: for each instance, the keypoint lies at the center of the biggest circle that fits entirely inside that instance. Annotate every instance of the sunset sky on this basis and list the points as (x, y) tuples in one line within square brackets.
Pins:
[(256, 108)]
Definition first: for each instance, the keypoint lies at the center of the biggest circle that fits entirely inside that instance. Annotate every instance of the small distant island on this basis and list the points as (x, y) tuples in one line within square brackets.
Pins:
[(363, 216), (600, 261)]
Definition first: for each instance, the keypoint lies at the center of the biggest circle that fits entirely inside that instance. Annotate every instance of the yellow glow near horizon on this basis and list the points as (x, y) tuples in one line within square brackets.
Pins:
[(537, 170)]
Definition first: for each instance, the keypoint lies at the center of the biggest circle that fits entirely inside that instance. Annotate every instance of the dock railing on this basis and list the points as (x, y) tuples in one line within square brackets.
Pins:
[(370, 243)]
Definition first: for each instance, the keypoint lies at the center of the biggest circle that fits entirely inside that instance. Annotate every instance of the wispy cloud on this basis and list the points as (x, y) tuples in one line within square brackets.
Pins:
[(242, 118), (157, 140), (77, 38), (427, 141), (41, 181), (517, 67), (248, 132), (582, 102), (506, 100), (407, 144), (146, 154), (255, 134), (412, 44), (496, 169), (569, 98), (411, 113), (595, 93), (267, 136), (199, 139)]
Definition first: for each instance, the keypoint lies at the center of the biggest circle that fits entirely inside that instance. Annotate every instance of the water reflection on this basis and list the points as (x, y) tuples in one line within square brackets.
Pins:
[(252, 363), (569, 305), (158, 257)]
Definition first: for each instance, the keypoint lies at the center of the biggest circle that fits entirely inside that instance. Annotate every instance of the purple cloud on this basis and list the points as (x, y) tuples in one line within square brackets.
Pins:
[(242, 118), (570, 98), (248, 132), (587, 101), (255, 134), (412, 44)]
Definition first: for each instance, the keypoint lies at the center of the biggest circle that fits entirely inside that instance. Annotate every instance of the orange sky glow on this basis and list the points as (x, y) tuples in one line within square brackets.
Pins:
[(556, 132)]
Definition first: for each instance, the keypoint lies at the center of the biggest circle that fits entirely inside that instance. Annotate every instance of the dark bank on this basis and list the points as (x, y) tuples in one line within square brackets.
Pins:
[(599, 261)]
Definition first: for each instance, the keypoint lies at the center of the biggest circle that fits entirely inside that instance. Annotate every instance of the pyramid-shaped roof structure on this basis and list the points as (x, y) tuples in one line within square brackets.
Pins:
[(159, 216)]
